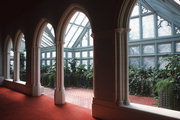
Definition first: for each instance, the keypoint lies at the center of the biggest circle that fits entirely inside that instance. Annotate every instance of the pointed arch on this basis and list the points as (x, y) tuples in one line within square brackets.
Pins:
[(19, 35), (121, 32), (67, 15), (7, 47), (60, 37), (36, 48)]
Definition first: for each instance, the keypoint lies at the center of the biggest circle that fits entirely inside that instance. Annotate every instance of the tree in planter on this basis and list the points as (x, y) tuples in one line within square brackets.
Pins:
[(168, 86)]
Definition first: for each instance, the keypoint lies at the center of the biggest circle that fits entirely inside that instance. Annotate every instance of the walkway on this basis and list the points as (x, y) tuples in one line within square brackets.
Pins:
[(83, 97)]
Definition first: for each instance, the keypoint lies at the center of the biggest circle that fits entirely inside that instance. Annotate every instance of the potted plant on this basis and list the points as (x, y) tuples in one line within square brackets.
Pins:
[(168, 86)]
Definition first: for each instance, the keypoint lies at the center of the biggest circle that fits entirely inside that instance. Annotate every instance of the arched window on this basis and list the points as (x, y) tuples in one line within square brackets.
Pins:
[(22, 58), (78, 59), (153, 38), (9, 59)]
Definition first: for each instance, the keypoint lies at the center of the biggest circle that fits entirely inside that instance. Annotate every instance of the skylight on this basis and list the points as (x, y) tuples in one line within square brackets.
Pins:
[(78, 23)]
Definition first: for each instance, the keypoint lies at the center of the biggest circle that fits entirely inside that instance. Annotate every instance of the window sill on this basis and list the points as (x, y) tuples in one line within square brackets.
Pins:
[(20, 82), (154, 110), (10, 80)]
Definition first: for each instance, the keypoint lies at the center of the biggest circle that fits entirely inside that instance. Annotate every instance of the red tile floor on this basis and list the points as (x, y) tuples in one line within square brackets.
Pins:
[(78, 96), (83, 97)]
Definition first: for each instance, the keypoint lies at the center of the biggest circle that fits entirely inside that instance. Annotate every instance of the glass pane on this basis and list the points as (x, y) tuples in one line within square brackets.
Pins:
[(149, 62), (69, 54), (145, 10), (148, 49), (78, 62), (162, 62), (135, 11), (134, 50), (48, 62), (134, 62), (54, 54), (164, 27), (77, 54), (148, 26), (85, 62), (48, 55), (91, 62), (164, 48), (43, 55), (80, 18), (91, 38), (134, 34), (177, 30), (74, 17), (43, 62), (90, 53), (177, 47), (84, 54), (11, 53), (84, 43), (70, 35), (74, 38), (53, 62), (64, 54), (85, 21)]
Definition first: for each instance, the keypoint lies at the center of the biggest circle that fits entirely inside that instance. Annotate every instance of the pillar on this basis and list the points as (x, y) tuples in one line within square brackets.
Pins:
[(59, 96), (37, 89), (121, 63), (16, 65)]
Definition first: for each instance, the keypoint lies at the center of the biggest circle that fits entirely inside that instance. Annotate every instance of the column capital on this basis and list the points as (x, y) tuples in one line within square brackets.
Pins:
[(36, 46), (92, 35), (59, 42), (122, 30)]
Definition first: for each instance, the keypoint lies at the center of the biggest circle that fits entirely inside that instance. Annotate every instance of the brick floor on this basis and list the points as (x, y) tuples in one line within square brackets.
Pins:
[(78, 96), (83, 97)]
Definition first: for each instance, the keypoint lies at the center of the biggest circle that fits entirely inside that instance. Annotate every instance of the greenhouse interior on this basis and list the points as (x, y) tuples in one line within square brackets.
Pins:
[(153, 54)]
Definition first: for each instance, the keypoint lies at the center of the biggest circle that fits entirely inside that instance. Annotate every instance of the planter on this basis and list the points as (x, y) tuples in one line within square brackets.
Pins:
[(170, 100)]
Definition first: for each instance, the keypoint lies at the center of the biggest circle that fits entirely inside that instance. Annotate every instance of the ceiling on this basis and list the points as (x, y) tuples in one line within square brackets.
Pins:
[(11, 9)]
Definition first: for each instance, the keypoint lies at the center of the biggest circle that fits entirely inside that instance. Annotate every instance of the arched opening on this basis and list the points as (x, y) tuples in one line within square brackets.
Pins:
[(9, 60), (20, 58), (48, 60), (78, 60), (43, 61), (153, 54)]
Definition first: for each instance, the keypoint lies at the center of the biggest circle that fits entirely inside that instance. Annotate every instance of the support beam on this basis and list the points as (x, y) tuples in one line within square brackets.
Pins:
[(59, 96)]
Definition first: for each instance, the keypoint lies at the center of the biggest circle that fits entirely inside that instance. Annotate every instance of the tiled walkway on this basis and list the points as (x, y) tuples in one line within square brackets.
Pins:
[(77, 96), (83, 97)]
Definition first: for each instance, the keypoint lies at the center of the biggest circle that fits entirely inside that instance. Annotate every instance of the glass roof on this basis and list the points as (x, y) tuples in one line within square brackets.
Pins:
[(48, 36), (78, 23)]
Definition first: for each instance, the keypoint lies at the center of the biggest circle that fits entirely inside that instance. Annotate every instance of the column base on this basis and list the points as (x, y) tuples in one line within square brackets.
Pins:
[(59, 96), (37, 90)]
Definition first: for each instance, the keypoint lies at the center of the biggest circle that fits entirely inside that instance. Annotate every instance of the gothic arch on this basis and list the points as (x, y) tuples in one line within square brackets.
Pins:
[(37, 88)]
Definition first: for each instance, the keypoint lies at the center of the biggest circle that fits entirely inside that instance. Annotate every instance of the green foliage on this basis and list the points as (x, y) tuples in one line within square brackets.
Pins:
[(22, 67), (77, 75), (74, 75), (170, 79), (48, 76), (164, 85), (141, 81)]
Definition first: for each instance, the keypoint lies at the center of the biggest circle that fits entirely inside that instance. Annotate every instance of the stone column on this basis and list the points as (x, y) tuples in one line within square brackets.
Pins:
[(6, 64), (37, 89), (121, 51), (16, 65), (59, 96)]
